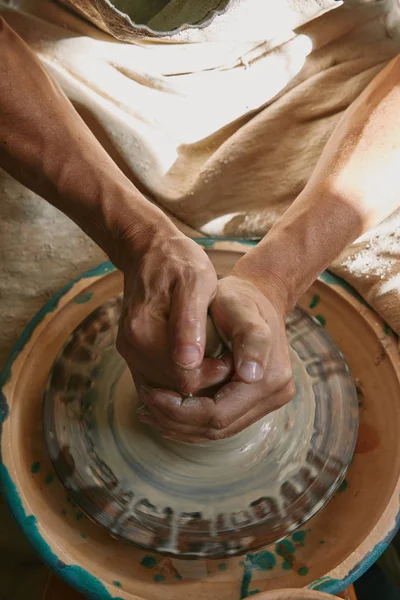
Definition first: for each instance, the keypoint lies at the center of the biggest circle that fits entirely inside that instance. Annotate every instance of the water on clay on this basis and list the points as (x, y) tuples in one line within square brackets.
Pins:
[(209, 500)]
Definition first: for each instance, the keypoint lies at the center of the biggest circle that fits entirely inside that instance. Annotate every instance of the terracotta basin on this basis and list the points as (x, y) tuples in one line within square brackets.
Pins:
[(333, 550)]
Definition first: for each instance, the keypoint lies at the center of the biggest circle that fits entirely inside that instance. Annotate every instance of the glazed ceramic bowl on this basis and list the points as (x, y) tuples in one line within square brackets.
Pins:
[(335, 547)]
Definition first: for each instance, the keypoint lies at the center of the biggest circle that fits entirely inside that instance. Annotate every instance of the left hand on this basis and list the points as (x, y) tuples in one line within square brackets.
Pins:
[(254, 327)]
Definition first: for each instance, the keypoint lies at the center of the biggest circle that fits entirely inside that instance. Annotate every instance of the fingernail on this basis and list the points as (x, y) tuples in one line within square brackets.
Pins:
[(250, 371), (187, 356)]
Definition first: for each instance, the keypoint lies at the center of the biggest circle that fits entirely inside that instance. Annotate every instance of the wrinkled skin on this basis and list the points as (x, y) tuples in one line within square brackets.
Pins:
[(162, 337), (162, 332)]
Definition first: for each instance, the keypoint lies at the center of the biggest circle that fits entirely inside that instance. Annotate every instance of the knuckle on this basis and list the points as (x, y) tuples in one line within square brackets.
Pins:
[(252, 332), (289, 392), (188, 384), (215, 435), (284, 396), (286, 377), (220, 422), (136, 327)]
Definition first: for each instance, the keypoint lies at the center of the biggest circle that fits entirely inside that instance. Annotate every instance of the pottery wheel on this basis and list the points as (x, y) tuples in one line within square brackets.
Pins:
[(216, 499)]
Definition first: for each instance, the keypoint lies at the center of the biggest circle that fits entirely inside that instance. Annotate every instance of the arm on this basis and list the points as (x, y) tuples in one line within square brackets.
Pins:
[(353, 187), (168, 280), (46, 146)]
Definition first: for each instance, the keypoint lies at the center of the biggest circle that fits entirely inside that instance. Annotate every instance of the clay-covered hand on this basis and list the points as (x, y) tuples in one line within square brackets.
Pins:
[(162, 333), (254, 327)]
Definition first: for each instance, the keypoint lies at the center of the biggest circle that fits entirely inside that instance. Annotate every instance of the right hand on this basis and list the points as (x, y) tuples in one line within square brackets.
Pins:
[(162, 332)]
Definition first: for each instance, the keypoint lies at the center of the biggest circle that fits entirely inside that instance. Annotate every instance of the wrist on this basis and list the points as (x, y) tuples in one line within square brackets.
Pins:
[(253, 268), (128, 226), (301, 245)]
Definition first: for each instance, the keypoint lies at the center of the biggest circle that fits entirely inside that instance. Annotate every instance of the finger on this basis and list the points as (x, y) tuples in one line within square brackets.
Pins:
[(188, 321), (240, 322), (251, 347), (212, 371), (165, 422), (196, 411), (143, 342), (172, 435), (259, 411), (236, 399)]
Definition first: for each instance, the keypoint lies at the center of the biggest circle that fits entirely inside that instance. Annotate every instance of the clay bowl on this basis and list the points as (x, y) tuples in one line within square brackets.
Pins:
[(333, 550)]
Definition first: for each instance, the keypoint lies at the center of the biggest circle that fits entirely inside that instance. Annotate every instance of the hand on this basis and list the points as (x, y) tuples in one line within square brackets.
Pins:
[(162, 332), (254, 327)]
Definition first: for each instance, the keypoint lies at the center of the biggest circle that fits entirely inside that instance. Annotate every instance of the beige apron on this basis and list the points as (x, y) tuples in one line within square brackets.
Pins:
[(222, 132)]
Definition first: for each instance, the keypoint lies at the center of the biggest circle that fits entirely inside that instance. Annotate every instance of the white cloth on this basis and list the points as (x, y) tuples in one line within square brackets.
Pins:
[(220, 134)]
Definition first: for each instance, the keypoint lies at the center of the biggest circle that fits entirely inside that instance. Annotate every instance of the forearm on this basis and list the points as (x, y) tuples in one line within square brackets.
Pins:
[(45, 145), (354, 186)]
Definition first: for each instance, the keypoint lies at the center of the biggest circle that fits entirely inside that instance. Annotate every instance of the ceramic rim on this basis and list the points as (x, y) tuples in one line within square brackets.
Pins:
[(354, 565)]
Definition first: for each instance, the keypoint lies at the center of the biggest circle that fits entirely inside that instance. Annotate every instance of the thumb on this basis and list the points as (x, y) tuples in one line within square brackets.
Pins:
[(241, 326), (188, 324)]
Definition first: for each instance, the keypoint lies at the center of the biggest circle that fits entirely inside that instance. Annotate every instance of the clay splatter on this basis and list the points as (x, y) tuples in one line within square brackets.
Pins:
[(159, 578), (82, 298), (386, 329), (149, 562), (117, 584), (261, 561), (177, 576), (321, 320), (222, 567), (266, 561), (284, 548), (315, 301), (343, 486), (63, 512), (299, 537), (35, 468), (49, 478)]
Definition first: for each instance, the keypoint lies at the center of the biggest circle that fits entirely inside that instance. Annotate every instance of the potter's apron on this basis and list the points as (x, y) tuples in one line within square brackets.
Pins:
[(218, 110)]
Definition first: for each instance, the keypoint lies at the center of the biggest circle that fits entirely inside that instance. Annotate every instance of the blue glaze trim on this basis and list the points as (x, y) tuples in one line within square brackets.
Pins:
[(83, 298), (246, 580), (330, 279), (209, 243), (333, 586), (73, 575), (49, 307), (76, 576)]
